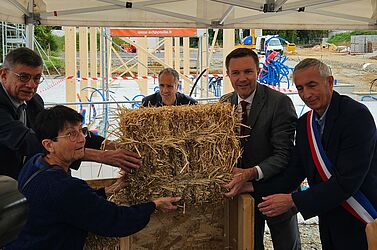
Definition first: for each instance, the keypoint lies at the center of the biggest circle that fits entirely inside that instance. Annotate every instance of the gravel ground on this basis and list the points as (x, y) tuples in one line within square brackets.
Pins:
[(308, 232), (359, 69)]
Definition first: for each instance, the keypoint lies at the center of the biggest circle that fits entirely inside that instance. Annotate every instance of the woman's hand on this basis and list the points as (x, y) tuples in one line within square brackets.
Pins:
[(165, 204)]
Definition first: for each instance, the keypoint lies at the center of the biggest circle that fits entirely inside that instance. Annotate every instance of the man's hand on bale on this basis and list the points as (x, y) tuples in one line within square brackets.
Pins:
[(166, 204), (122, 158), (240, 183)]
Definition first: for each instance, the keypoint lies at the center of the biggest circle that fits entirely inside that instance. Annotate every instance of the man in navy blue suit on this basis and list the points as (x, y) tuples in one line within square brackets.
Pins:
[(336, 151), (20, 77)]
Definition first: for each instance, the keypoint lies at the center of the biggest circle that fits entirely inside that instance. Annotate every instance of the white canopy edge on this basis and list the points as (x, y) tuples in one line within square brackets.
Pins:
[(226, 14)]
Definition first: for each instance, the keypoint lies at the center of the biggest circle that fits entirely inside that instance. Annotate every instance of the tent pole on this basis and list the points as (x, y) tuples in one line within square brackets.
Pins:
[(105, 76), (30, 27)]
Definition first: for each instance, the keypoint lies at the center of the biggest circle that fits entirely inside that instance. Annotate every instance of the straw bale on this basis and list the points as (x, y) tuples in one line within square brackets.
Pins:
[(96, 242), (187, 151), (202, 227)]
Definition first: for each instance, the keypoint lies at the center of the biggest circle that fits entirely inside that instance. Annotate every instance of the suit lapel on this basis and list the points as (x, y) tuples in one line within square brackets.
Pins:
[(159, 100), (4, 99), (331, 117), (257, 105), (234, 99)]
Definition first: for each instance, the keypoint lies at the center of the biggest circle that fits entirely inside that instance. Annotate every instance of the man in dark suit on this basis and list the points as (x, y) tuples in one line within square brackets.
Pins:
[(168, 95), (271, 119), (336, 151), (19, 105)]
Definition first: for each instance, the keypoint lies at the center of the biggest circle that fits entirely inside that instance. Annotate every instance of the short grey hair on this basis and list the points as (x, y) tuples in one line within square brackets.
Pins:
[(324, 69), (171, 71), (22, 56)]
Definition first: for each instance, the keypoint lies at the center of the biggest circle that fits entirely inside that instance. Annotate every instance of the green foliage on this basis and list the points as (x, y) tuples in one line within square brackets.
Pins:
[(299, 36), (340, 38), (55, 61), (60, 42), (52, 45), (363, 32), (219, 39), (118, 41), (194, 42), (343, 38), (45, 38)]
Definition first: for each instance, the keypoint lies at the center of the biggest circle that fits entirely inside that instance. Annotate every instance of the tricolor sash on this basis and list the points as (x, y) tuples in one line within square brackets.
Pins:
[(358, 204)]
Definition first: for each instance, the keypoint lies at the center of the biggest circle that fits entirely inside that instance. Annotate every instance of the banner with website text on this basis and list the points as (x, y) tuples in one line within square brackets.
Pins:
[(152, 32)]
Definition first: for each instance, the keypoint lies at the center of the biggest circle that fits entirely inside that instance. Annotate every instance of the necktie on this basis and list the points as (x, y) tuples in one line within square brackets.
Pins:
[(320, 131), (319, 128), (244, 116), (21, 113)]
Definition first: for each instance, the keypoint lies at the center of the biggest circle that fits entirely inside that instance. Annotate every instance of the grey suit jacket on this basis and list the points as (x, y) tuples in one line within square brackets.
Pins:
[(272, 122)]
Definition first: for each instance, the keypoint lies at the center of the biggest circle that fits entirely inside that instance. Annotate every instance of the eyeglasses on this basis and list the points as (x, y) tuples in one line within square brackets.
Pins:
[(73, 135), (25, 77)]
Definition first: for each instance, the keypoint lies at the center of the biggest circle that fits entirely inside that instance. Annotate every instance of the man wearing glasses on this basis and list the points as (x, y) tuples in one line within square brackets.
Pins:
[(19, 105)]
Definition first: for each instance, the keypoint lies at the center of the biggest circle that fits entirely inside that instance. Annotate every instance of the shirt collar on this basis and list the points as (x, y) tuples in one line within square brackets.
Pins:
[(322, 120), (162, 103), (323, 116), (249, 99), (16, 103)]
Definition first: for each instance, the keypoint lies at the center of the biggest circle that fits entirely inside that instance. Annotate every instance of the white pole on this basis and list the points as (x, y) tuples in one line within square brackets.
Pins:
[(30, 28)]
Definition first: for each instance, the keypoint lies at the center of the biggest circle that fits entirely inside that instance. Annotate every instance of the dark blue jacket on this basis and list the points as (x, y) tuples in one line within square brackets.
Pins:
[(155, 100), (19, 142), (63, 209), (349, 140)]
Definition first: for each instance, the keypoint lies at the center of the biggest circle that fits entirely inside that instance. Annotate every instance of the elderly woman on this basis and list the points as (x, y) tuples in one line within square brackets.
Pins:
[(63, 209)]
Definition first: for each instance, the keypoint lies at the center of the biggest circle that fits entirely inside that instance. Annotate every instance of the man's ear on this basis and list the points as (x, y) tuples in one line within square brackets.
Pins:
[(3, 74), (330, 80), (48, 145)]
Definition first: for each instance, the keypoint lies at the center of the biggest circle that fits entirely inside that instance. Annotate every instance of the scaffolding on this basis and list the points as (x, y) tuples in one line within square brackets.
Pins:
[(12, 36)]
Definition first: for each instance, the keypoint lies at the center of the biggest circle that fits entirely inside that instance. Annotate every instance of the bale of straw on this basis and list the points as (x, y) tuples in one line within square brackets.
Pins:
[(96, 242), (187, 151)]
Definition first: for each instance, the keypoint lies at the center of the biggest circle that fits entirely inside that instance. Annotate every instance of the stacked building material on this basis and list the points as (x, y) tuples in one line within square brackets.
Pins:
[(187, 151)]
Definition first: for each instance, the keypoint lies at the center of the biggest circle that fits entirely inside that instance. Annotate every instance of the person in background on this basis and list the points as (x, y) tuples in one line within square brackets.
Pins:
[(62, 208), (336, 151), (20, 104), (266, 142), (168, 81)]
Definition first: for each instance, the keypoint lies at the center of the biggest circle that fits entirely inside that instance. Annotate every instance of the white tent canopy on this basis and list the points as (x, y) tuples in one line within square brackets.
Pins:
[(265, 14)]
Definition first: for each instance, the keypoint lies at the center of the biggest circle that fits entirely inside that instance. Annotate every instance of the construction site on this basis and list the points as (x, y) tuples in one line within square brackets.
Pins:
[(112, 57)]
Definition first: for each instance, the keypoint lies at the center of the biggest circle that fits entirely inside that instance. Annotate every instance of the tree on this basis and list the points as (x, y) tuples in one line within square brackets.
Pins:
[(299, 36), (45, 38)]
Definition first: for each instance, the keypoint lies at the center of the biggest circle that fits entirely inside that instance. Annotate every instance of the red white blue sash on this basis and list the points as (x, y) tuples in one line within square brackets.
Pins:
[(358, 204)]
